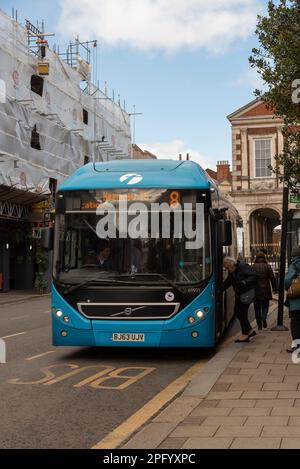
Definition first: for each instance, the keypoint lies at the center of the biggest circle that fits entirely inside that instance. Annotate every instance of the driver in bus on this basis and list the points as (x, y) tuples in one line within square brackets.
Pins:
[(102, 257)]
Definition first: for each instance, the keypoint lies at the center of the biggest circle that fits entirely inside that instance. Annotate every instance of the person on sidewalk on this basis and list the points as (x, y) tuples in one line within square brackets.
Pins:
[(294, 303), (243, 279), (263, 293)]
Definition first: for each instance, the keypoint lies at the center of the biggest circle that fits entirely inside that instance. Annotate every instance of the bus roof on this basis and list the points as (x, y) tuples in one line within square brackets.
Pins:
[(125, 174)]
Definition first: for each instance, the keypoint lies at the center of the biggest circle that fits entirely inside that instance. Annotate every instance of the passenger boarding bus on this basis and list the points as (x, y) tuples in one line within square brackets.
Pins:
[(138, 251)]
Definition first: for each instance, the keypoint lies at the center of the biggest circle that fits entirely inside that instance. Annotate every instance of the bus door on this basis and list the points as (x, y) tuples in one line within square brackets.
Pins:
[(220, 303)]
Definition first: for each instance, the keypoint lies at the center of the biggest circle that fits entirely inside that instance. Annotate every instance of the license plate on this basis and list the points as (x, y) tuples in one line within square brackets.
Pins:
[(125, 337)]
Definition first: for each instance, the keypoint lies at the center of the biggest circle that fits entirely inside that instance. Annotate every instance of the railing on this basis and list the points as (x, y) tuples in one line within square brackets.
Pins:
[(270, 249), (274, 262)]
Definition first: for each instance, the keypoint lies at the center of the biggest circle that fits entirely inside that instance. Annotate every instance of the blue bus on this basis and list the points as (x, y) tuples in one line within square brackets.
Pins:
[(135, 278)]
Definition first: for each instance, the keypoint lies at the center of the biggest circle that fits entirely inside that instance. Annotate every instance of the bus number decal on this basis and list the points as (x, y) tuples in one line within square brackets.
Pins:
[(174, 199)]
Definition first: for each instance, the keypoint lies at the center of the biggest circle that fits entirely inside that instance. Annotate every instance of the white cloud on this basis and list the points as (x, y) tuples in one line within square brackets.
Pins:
[(250, 78), (160, 24), (172, 149)]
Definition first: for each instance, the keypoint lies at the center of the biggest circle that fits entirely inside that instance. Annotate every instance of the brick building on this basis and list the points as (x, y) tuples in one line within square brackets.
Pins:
[(223, 176)]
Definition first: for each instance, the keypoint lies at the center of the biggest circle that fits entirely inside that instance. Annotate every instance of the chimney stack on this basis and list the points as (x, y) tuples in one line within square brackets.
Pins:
[(223, 171)]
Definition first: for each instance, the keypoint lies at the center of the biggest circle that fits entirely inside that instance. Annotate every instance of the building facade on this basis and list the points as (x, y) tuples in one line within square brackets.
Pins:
[(52, 121), (256, 189), (139, 154), (222, 176)]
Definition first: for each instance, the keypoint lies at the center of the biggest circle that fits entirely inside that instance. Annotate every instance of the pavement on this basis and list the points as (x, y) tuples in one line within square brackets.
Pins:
[(246, 396), (16, 296)]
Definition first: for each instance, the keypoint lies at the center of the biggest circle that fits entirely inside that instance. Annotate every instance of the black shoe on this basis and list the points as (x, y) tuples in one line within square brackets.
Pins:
[(252, 334), (259, 328), (265, 324)]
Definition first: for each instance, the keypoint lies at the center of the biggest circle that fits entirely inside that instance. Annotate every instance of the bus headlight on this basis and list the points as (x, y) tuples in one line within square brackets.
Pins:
[(191, 319), (200, 314), (59, 313), (66, 319), (64, 333)]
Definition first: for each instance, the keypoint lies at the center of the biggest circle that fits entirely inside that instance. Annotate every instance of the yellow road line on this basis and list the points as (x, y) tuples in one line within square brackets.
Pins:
[(135, 421), (40, 355), (13, 335)]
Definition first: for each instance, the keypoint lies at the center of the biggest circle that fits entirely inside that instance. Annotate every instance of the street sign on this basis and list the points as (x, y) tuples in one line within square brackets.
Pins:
[(294, 202)]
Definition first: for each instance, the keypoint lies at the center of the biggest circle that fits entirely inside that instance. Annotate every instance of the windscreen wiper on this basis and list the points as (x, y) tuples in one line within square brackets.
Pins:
[(61, 284), (92, 280), (165, 279)]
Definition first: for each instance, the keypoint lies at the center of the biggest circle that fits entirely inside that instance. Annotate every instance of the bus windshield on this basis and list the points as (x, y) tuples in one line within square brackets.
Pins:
[(109, 234)]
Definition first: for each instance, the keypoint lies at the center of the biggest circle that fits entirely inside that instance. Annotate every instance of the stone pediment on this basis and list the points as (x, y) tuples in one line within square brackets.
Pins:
[(254, 109)]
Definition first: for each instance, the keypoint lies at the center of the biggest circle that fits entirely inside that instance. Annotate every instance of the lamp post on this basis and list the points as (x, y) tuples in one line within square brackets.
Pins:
[(284, 231)]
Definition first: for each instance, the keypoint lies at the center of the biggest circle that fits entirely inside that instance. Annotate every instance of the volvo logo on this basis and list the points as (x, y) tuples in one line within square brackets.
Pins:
[(127, 311), (131, 179)]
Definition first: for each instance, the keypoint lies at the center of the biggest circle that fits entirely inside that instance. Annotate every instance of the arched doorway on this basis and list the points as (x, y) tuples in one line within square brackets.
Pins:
[(264, 234)]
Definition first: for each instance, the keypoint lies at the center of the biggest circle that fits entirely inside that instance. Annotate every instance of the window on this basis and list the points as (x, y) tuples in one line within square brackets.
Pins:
[(263, 158), (86, 159), (35, 139), (52, 188), (37, 84), (85, 117)]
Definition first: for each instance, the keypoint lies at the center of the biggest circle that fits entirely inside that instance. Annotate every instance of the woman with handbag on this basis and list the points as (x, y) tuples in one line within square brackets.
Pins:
[(266, 279), (292, 285), (243, 280)]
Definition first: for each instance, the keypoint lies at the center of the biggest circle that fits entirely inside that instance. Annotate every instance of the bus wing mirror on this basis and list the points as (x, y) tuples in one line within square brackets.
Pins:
[(224, 233), (47, 237)]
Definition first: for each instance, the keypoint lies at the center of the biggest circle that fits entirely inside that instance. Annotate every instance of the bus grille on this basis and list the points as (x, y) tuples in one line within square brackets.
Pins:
[(119, 311)]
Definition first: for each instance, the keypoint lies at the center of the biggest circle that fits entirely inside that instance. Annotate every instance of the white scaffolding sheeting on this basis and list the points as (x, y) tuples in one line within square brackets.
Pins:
[(57, 117)]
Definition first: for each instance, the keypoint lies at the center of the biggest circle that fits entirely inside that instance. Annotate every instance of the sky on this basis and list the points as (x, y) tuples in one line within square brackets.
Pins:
[(182, 63)]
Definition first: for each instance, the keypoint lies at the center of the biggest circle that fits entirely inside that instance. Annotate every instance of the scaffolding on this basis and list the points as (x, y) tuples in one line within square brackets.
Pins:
[(49, 125)]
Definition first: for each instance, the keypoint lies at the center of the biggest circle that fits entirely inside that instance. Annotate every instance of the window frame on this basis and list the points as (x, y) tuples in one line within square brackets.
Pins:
[(255, 140)]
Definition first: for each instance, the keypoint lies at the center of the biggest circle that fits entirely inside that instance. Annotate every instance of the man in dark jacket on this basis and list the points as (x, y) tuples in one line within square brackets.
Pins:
[(243, 279)]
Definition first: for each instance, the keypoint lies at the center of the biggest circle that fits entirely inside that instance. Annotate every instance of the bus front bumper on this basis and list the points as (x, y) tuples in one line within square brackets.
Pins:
[(141, 335)]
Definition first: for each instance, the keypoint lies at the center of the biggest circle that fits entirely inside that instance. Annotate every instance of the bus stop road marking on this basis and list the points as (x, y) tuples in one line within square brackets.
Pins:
[(106, 377), (40, 355), (135, 421), (13, 335)]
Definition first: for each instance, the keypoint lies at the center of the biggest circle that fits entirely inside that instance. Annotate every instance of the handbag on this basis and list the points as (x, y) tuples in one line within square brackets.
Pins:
[(294, 290), (247, 297)]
